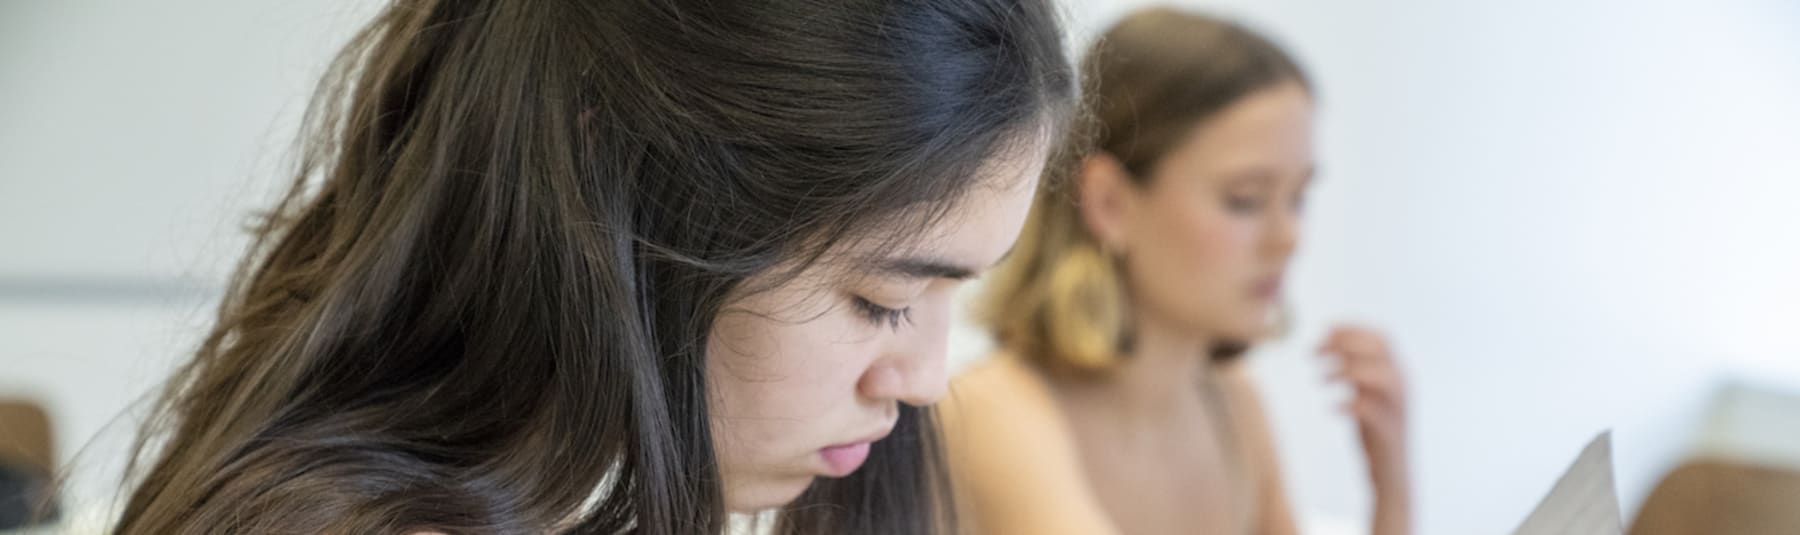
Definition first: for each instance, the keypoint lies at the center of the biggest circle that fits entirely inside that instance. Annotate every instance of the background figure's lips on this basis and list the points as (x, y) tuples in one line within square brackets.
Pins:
[(1268, 287)]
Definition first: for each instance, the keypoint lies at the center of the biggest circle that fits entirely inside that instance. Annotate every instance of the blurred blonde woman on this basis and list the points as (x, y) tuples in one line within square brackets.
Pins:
[(1118, 402)]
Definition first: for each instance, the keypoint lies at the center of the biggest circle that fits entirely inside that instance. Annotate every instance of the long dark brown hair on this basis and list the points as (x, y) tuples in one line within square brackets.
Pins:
[(482, 307)]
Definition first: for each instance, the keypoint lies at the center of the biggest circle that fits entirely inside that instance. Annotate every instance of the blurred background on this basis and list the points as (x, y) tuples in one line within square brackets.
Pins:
[(1572, 216)]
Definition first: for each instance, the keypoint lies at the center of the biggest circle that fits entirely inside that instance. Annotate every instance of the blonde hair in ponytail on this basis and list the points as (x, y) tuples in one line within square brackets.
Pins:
[(1060, 302)]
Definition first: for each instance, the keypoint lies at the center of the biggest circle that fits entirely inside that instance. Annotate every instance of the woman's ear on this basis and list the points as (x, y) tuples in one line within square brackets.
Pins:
[(1104, 195)]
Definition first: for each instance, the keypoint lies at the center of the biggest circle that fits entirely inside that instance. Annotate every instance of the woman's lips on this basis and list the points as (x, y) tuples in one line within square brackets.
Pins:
[(843, 459), (1268, 288)]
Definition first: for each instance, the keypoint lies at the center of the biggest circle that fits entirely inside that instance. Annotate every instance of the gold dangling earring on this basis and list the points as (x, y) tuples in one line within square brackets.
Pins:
[(1114, 257)]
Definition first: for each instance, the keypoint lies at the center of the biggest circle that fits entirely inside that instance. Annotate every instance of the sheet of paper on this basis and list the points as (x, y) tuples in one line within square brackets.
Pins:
[(1584, 501)]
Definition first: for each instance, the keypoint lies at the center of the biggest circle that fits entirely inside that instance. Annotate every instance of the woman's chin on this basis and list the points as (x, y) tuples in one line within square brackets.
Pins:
[(1250, 328), (765, 495)]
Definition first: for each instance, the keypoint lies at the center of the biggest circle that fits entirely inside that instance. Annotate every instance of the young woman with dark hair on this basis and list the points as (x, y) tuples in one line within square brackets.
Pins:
[(563, 266)]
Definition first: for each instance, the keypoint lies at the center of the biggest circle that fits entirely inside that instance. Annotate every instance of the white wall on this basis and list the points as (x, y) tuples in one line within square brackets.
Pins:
[(135, 134), (135, 140), (1572, 215)]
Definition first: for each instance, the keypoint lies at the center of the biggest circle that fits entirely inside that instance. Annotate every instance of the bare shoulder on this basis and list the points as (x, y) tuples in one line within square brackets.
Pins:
[(1001, 383), (1002, 404), (1013, 458)]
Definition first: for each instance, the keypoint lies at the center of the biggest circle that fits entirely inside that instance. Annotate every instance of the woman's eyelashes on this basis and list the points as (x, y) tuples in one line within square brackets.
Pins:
[(880, 315), (1254, 205), (1253, 202)]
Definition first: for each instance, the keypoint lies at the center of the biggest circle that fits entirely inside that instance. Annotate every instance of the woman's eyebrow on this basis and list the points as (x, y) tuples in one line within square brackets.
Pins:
[(927, 267), (922, 268)]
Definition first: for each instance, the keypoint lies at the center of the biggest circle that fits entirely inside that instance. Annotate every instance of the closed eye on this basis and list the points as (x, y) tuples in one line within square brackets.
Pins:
[(880, 315)]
